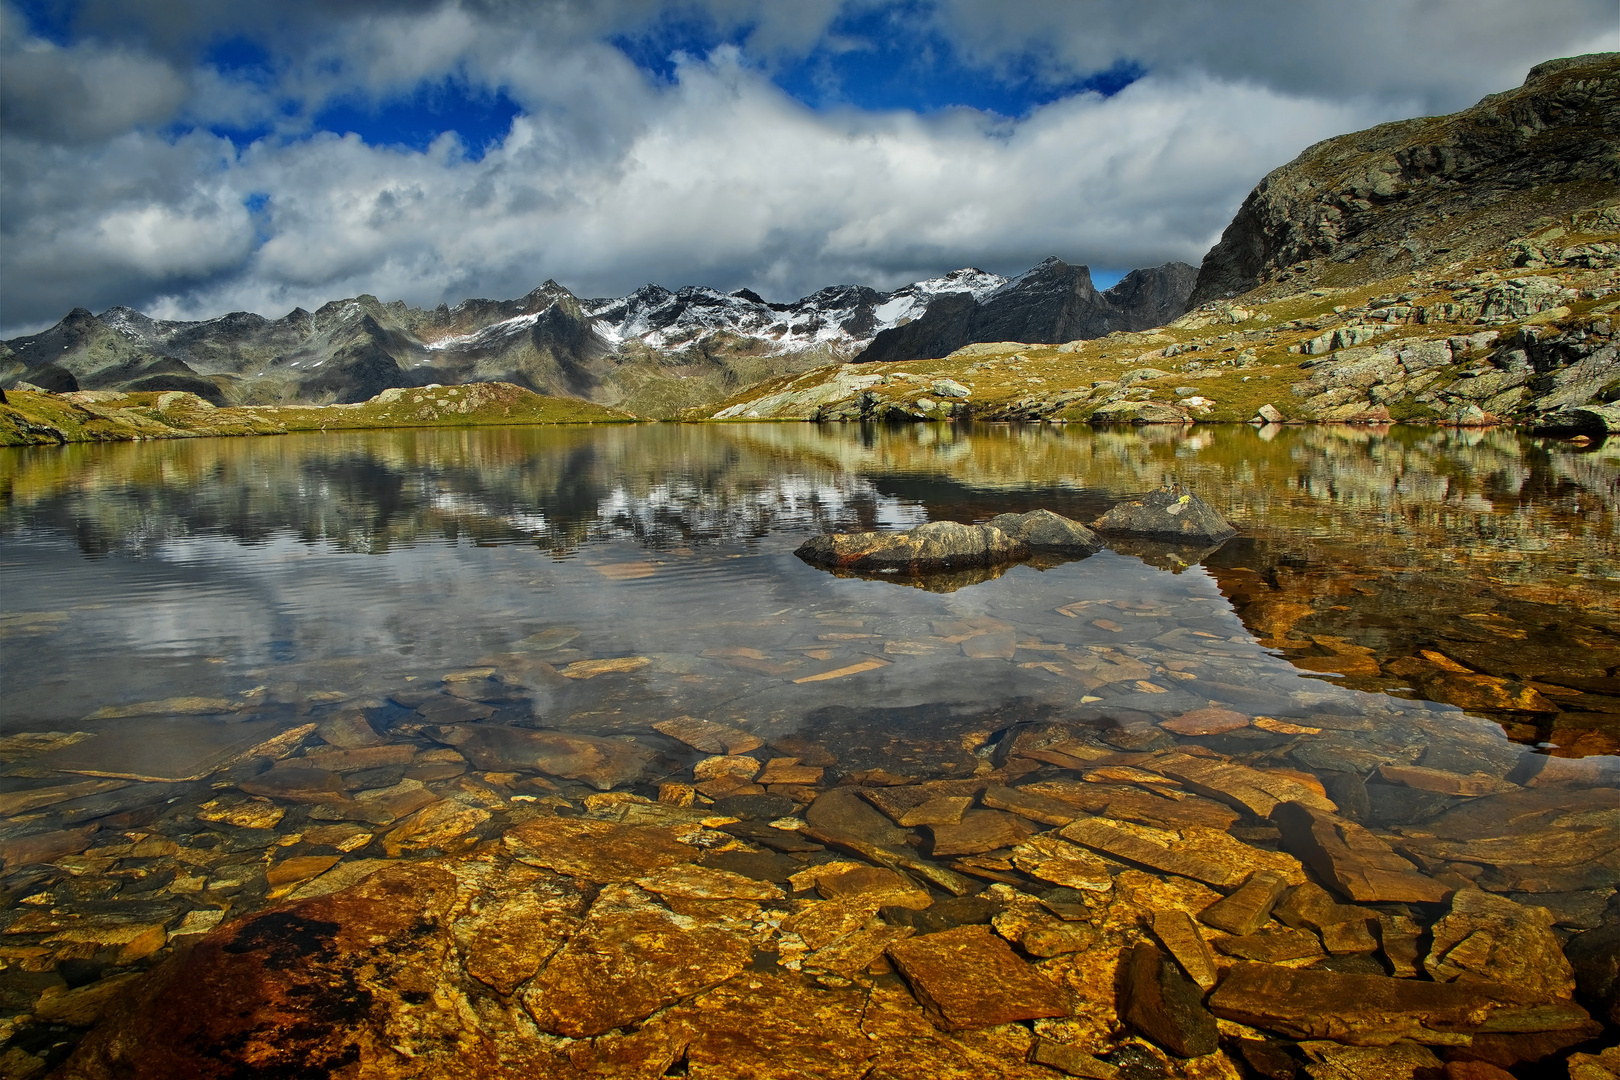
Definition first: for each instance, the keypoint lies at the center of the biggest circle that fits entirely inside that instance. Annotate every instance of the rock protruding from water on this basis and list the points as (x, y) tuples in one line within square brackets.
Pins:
[(1170, 513), (1046, 533), (941, 546), (938, 545)]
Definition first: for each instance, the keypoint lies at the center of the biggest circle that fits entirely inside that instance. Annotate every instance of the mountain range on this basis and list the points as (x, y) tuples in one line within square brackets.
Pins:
[(653, 352)]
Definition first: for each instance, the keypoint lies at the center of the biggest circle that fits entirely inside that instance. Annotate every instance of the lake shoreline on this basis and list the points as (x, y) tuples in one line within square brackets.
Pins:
[(31, 418)]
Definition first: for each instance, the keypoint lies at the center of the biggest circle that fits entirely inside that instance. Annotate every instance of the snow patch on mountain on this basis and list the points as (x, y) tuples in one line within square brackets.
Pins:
[(838, 316)]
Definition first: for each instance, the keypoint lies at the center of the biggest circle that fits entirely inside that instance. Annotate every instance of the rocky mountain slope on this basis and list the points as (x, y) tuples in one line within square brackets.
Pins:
[(1498, 309), (1050, 304), (652, 351), (1419, 194)]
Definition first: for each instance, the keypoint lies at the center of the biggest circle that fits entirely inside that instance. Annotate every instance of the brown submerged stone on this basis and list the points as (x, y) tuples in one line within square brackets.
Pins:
[(1359, 864), (598, 851), (1247, 909), (970, 978), (1561, 839), (602, 763), (1507, 946), (630, 959), (1273, 947), (1180, 937), (1254, 790), (1206, 855), (1162, 1003), (313, 988), (708, 737), (1373, 1010), (979, 831)]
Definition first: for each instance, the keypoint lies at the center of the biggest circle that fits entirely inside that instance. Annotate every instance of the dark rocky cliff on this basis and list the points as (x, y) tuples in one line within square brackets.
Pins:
[(1052, 303), (1430, 191)]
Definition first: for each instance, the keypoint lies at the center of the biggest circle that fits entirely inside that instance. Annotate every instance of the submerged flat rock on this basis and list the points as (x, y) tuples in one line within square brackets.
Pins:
[(970, 978), (631, 958), (173, 748), (1359, 864), (602, 763), (1373, 1010)]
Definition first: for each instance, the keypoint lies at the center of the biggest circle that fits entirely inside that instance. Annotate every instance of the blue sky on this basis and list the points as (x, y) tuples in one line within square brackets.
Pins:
[(193, 159)]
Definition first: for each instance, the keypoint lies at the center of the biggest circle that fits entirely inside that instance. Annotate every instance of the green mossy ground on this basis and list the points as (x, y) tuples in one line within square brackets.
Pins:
[(33, 419)]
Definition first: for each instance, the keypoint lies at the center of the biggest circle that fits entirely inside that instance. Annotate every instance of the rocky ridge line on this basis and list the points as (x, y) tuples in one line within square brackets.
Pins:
[(651, 352)]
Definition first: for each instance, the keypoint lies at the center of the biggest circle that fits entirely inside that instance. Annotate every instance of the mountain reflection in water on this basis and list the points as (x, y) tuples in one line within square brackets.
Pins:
[(1471, 567)]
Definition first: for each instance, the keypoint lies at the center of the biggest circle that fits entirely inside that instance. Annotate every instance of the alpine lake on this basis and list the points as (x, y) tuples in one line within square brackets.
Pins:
[(537, 752)]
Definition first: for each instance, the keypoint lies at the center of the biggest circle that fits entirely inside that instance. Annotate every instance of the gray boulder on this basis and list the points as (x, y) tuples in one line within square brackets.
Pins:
[(1046, 533), (938, 545), (1586, 420), (1140, 412), (1169, 513)]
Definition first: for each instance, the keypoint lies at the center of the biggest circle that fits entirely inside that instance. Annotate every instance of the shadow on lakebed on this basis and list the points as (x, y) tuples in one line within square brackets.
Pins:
[(1169, 527)]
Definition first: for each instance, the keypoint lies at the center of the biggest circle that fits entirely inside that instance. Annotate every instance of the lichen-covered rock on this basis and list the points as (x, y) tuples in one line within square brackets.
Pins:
[(1140, 412), (1169, 513), (938, 545), (1046, 533)]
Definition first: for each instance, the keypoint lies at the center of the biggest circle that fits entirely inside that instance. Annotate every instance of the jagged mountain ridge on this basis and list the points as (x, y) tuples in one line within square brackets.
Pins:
[(1049, 304), (620, 351)]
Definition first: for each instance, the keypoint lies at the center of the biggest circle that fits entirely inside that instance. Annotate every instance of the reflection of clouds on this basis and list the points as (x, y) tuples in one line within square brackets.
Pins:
[(686, 511)]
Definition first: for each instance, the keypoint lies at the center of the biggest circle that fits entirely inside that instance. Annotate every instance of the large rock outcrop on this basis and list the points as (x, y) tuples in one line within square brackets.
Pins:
[(1428, 191)]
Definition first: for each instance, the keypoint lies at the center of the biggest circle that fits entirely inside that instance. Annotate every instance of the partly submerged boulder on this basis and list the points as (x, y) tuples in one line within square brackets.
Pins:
[(1170, 513), (1586, 420), (938, 545), (1046, 533)]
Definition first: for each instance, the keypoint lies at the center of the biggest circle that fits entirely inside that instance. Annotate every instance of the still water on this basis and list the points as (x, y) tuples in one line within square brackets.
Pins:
[(276, 571), (1408, 620)]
